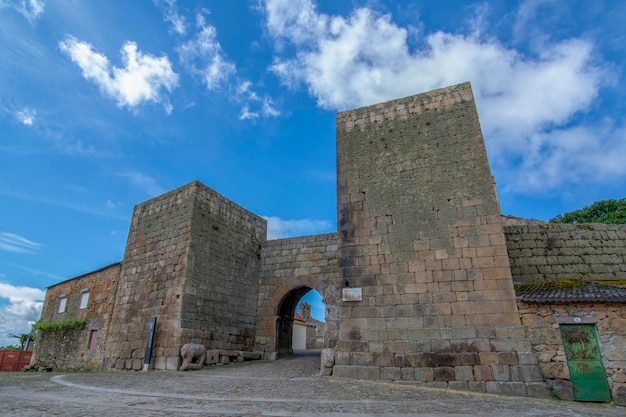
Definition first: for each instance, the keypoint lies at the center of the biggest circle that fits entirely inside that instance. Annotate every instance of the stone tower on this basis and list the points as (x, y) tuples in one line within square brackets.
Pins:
[(192, 260), (420, 235), (305, 311)]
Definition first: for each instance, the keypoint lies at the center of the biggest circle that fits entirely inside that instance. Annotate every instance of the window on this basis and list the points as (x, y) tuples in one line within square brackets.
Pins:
[(62, 303), (84, 297), (91, 344)]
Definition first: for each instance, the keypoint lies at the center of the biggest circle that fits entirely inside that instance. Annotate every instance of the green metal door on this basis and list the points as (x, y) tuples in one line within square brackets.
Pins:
[(584, 361)]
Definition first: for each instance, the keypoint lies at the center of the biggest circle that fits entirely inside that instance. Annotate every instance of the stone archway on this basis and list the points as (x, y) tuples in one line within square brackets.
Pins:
[(290, 269), (284, 319)]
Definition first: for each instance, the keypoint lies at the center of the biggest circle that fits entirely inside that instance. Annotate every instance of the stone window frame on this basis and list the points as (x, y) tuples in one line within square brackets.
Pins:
[(84, 298), (62, 303)]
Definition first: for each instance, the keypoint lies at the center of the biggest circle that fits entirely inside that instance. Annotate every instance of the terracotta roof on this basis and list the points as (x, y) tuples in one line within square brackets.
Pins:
[(570, 291)]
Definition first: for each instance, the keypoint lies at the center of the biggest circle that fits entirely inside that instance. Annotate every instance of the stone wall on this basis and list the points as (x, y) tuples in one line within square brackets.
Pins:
[(152, 280), (555, 251), (289, 269), (543, 332), (68, 350), (421, 235)]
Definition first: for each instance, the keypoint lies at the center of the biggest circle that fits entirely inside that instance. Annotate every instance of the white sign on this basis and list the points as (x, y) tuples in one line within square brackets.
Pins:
[(352, 294)]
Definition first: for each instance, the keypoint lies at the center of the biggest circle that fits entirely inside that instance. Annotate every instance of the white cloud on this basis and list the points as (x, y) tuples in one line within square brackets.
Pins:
[(148, 184), (365, 58), (23, 309), (143, 77), (575, 154), (203, 56), (263, 107), (15, 243), (246, 114), (26, 116), (278, 228), (30, 9), (170, 15)]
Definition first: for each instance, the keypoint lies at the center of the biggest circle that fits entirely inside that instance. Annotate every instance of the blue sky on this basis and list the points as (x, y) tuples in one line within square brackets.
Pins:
[(105, 104)]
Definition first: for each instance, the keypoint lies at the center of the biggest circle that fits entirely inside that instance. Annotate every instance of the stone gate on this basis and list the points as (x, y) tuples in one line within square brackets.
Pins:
[(416, 282)]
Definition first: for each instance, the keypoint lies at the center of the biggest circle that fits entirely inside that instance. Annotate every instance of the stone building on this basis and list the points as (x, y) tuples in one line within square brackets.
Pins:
[(418, 282), (308, 332)]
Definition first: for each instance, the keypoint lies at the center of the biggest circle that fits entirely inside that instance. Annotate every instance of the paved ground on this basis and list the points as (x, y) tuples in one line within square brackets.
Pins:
[(287, 387)]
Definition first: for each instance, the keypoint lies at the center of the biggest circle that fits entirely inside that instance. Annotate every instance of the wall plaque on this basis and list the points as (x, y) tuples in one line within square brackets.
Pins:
[(352, 294)]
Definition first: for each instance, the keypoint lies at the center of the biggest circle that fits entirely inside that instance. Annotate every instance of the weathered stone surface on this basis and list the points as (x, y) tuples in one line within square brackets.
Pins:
[(542, 251), (619, 394), (506, 388), (561, 389), (444, 373), (538, 390), (526, 373), (59, 349), (327, 361), (212, 357)]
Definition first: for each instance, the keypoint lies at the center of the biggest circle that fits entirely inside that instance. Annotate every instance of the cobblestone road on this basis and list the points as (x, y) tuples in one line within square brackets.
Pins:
[(287, 387)]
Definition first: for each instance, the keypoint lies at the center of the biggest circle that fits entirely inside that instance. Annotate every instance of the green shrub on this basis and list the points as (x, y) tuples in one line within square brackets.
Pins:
[(61, 325)]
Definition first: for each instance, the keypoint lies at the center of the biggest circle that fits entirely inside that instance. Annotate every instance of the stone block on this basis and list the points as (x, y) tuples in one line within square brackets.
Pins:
[(428, 359), (619, 394), (458, 385), (437, 384), (254, 356), (362, 359), (160, 363), (507, 388), (561, 389), (385, 359), (483, 373), (408, 374), (507, 358), (464, 373), (172, 362), (373, 372), (424, 374), (470, 359), (444, 373), (527, 358), (346, 371), (212, 357), (448, 359), (501, 372), (526, 373), (476, 386), (342, 358), (137, 364), (554, 370), (538, 390), (391, 374), (489, 358)]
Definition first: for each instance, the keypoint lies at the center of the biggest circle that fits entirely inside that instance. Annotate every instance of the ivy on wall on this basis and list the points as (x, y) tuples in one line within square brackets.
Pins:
[(61, 325)]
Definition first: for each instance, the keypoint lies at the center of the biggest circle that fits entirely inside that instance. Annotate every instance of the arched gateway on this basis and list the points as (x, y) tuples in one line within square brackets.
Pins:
[(290, 269)]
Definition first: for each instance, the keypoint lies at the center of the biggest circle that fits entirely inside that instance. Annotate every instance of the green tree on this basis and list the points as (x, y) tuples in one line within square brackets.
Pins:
[(10, 347), (606, 211)]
